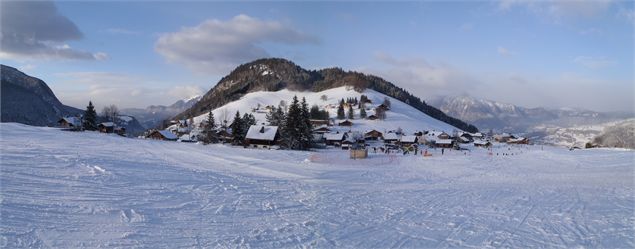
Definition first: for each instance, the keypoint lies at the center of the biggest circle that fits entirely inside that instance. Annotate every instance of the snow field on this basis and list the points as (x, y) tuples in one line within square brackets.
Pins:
[(66, 189)]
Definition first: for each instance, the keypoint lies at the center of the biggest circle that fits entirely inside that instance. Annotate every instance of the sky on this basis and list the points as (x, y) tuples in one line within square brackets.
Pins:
[(137, 53)]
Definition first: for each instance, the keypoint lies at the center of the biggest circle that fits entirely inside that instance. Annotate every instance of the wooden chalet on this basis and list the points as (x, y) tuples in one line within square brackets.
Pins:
[(224, 136), (373, 135), (347, 144), (335, 139), (391, 138), (520, 140), (408, 140), (106, 127), (502, 138), (262, 136), (481, 143), (72, 123), (321, 130), (320, 122), (444, 143), (162, 135), (346, 123), (121, 131), (384, 107)]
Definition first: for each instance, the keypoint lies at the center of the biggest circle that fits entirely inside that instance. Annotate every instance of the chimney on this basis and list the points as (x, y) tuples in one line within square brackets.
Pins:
[(262, 129)]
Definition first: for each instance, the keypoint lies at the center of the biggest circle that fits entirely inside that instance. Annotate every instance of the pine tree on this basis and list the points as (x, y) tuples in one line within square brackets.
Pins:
[(350, 112), (291, 125), (315, 113), (362, 110), (306, 137), (209, 129), (340, 111), (90, 117), (237, 128), (248, 120)]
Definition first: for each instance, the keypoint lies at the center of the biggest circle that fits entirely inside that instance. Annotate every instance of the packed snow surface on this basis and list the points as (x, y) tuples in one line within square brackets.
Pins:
[(84, 189)]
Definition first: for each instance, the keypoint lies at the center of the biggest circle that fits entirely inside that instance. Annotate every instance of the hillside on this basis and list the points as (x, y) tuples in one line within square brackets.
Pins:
[(29, 100), (90, 190), (278, 74), (400, 115)]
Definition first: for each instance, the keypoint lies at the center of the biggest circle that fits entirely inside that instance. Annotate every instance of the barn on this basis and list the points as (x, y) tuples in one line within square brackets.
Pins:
[(373, 135), (346, 123), (262, 136)]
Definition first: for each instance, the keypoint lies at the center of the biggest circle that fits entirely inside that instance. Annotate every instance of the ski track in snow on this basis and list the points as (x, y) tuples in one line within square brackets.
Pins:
[(64, 189)]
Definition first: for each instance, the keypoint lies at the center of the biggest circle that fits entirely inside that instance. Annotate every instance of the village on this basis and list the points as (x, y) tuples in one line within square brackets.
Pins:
[(341, 132)]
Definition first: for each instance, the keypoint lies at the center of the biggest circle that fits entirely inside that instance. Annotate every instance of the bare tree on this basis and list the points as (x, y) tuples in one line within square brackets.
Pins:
[(323, 97), (111, 112)]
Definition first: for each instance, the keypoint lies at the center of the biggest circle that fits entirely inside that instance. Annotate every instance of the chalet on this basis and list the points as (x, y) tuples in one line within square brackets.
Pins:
[(502, 138), (319, 122), (187, 138), (262, 136), (335, 138), (224, 136), (391, 138), (384, 107), (373, 135), (481, 143), (477, 135), (346, 123), (463, 140), (121, 131), (321, 130), (408, 140), (467, 136), (347, 144), (520, 140), (444, 143), (434, 135), (372, 117), (106, 127), (72, 123), (162, 135)]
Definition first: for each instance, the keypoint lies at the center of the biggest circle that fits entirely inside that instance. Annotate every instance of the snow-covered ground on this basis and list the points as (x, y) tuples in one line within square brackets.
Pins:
[(400, 115), (66, 189)]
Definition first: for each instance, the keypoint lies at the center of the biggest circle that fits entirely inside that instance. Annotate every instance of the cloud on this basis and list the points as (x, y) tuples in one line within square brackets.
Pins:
[(593, 62), (627, 14), (123, 90), (217, 46), (422, 78), (560, 10), (35, 29), (504, 52)]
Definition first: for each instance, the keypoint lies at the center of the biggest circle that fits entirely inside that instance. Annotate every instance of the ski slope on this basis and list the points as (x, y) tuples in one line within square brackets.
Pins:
[(400, 115), (67, 189)]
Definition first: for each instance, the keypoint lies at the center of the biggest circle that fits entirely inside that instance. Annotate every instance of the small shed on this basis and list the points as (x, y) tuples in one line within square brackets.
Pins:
[(262, 136), (359, 153), (224, 136), (70, 123), (162, 135)]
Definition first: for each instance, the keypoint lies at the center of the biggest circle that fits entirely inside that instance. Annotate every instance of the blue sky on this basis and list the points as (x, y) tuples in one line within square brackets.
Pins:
[(134, 54)]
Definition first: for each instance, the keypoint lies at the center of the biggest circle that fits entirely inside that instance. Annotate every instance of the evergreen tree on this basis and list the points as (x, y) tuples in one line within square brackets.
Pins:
[(209, 129), (306, 137), (340, 111), (315, 112), (292, 129), (211, 123), (362, 110), (350, 112), (90, 117), (237, 128), (387, 102), (248, 120)]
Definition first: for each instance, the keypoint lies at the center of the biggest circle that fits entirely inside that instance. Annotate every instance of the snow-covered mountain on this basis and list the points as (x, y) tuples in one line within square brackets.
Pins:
[(400, 115), (29, 100), (274, 74), (609, 134), (152, 116)]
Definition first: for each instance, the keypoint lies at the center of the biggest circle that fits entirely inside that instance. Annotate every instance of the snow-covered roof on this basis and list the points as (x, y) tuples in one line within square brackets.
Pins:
[(72, 120), (108, 124), (519, 139), (334, 136), (436, 133), (443, 141), (464, 139), (391, 136), (187, 137), (262, 132), (408, 139), (167, 134), (481, 142)]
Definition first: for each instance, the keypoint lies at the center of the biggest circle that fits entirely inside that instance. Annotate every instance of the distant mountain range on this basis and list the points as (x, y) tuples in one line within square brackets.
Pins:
[(29, 100), (152, 116), (565, 126), (274, 74)]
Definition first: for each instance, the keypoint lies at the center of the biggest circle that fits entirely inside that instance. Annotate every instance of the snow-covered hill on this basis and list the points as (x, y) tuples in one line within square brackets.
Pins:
[(400, 115), (581, 134), (90, 190)]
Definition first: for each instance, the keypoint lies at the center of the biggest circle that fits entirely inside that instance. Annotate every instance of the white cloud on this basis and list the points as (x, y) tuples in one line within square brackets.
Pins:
[(123, 90), (593, 62), (217, 46), (627, 14), (504, 52), (36, 30)]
